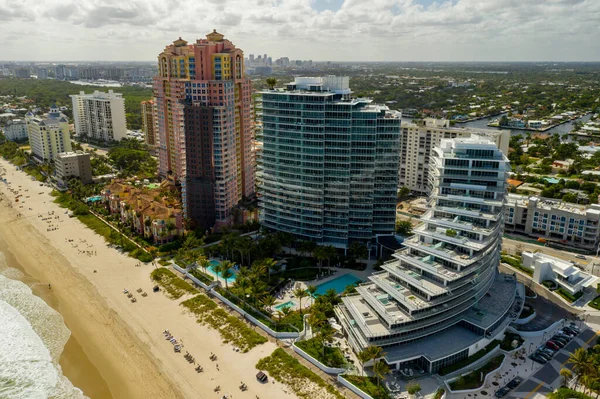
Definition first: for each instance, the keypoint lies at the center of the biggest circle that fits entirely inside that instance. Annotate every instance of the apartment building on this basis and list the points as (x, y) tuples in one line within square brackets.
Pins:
[(418, 140), (48, 134), (148, 124), (329, 163), (15, 130), (99, 116), (73, 164), (441, 298), (555, 221), (205, 80)]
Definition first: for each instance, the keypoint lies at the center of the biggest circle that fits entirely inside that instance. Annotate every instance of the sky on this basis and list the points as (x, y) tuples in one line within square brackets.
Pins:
[(336, 30)]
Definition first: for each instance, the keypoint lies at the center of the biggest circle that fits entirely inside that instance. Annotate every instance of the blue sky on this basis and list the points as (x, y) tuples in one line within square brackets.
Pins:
[(342, 30)]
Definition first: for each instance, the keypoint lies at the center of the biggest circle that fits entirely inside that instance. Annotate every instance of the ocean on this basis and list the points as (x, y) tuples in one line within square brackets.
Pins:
[(32, 339)]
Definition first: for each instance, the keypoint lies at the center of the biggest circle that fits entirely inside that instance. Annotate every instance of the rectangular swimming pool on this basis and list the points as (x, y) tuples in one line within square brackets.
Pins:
[(288, 304), (339, 284)]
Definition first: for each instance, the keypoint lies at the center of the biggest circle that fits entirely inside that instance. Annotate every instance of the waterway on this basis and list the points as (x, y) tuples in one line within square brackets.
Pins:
[(560, 129)]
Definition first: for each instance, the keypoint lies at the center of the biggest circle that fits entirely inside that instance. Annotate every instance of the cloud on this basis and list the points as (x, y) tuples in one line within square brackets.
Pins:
[(309, 29)]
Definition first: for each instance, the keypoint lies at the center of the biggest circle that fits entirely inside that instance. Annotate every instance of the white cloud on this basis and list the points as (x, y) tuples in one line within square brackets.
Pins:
[(390, 30)]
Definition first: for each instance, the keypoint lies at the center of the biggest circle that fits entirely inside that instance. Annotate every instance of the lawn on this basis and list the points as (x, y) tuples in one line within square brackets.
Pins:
[(175, 286), (368, 385), (473, 379), (332, 357), (232, 329), (476, 356), (566, 393), (595, 303), (286, 369)]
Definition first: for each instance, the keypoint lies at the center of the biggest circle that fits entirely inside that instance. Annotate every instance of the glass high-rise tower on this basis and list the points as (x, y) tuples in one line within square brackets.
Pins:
[(329, 163)]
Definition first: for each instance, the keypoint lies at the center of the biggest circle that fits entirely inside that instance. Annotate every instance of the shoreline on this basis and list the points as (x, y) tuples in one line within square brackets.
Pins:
[(123, 340), (75, 364)]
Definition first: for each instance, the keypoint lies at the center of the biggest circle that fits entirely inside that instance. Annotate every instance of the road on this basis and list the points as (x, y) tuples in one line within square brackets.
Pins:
[(512, 246)]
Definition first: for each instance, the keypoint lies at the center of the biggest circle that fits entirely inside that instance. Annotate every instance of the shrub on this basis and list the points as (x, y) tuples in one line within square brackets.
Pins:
[(566, 393), (438, 394), (368, 385), (472, 380), (516, 264), (287, 370), (476, 356), (174, 286), (567, 295), (451, 233), (332, 357), (595, 303)]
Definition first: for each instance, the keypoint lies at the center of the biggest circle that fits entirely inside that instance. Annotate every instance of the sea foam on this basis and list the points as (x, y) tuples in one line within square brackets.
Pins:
[(32, 338)]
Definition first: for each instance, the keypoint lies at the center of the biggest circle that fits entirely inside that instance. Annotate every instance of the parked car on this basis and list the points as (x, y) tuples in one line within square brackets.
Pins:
[(552, 345), (580, 257), (514, 382), (502, 392), (571, 331), (560, 344), (568, 333), (559, 338), (574, 327), (538, 359), (546, 356), (564, 336)]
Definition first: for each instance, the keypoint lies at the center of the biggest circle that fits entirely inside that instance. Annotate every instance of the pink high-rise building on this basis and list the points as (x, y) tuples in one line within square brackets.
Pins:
[(204, 126)]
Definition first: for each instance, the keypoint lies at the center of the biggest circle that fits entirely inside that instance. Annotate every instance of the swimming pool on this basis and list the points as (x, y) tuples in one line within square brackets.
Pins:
[(211, 269), (288, 304), (339, 284)]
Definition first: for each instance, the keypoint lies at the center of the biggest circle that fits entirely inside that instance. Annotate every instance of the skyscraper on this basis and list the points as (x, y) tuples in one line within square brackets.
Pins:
[(205, 81), (329, 163), (441, 299), (148, 123)]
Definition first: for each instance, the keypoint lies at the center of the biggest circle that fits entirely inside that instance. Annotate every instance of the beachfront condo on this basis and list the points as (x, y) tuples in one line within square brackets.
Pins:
[(148, 124), (204, 127), (329, 163), (440, 298), (99, 116), (48, 134)]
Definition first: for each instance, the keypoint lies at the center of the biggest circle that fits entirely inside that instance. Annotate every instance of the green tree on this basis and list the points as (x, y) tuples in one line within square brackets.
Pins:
[(581, 363), (566, 374), (271, 82), (300, 293), (404, 228), (403, 193), (358, 250), (380, 370), (413, 388)]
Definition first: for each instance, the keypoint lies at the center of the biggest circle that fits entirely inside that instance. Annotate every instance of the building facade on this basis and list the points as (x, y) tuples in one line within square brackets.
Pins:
[(563, 273), (48, 134), (554, 221), (73, 164), (100, 116), (418, 141), (15, 130), (208, 73), (148, 124), (441, 298), (329, 163)]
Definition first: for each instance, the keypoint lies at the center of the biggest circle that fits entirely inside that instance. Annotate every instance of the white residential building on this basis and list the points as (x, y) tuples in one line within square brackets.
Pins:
[(48, 134), (563, 273), (441, 299), (418, 140), (15, 130), (100, 116)]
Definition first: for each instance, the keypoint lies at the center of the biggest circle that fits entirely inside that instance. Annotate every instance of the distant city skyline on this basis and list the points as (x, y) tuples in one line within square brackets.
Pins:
[(335, 30)]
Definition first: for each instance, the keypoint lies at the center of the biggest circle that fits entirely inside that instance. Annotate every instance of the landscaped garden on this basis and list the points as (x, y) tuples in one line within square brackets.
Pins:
[(329, 356), (476, 356), (509, 337), (368, 385), (303, 382), (473, 379), (567, 295), (516, 263), (527, 311), (595, 303)]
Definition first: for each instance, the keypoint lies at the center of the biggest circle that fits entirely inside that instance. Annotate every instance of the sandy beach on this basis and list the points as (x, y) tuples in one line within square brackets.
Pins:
[(120, 343)]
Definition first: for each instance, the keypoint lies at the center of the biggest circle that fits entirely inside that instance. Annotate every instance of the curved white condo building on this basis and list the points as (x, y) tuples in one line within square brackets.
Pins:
[(441, 298)]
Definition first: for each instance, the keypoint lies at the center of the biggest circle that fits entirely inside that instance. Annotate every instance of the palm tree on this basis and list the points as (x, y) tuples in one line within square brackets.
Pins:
[(203, 263), (321, 255), (329, 252), (226, 274), (566, 374), (325, 335), (271, 82), (363, 357), (380, 370), (268, 301), (300, 293), (376, 351), (269, 264), (581, 362), (311, 289)]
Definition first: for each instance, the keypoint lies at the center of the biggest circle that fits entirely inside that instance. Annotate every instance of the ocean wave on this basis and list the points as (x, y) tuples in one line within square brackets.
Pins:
[(32, 338)]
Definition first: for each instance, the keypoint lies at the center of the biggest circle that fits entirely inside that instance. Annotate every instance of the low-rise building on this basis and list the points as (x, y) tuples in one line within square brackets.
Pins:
[(73, 164), (563, 273), (15, 130), (152, 212), (554, 221)]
